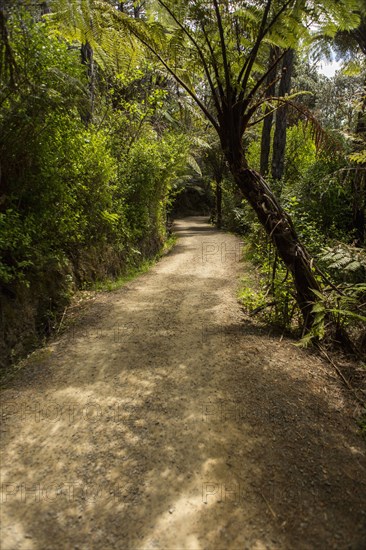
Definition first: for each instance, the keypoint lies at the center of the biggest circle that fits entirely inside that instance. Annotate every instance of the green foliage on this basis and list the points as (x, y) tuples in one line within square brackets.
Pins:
[(251, 299), (33, 120), (317, 192), (83, 197), (49, 74), (92, 153), (57, 174), (272, 297), (306, 224), (346, 306), (344, 263), (253, 148), (15, 243), (359, 157), (77, 186), (300, 152), (146, 175), (234, 216)]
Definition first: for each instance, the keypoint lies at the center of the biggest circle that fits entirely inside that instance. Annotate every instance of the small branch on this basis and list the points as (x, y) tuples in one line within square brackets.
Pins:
[(263, 78), (248, 64), (268, 504), (223, 47), (214, 62), (198, 48), (62, 318), (261, 308), (286, 277), (258, 120), (179, 80)]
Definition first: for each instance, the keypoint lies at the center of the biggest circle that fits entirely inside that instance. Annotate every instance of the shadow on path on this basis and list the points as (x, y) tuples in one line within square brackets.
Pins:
[(162, 421)]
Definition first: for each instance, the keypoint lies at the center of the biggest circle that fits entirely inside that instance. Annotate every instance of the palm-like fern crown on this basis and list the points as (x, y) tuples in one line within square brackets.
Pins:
[(217, 51)]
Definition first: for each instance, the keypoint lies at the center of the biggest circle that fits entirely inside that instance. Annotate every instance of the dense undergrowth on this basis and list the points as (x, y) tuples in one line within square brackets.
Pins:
[(318, 196), (84, 186)]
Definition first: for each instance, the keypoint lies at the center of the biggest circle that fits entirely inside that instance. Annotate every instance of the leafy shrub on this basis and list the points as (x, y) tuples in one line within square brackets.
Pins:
[(80, 199), (344, 263)]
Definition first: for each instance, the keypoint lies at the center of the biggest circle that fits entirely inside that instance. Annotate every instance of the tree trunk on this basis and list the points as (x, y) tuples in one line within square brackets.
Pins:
[(45, 9), (87, 59), (218, 204), (279, 140), (7, 60), (279, 227), (267, 123)]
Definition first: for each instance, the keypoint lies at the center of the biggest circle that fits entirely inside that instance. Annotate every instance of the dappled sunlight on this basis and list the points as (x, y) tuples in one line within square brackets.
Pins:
[(14, 536), (180, 523), (189, 430)]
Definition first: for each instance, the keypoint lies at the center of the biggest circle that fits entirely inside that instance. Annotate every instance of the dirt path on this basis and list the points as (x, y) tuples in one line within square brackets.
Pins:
[(166, 420)]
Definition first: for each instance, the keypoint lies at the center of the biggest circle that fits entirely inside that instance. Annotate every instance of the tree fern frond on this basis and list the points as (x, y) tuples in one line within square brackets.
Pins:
[(194, 164), (345, 261)]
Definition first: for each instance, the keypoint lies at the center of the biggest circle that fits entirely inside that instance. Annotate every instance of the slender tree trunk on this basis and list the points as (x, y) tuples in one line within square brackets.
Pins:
[(45, 8), (87, 58), (219, 203), (217, 166), (279, 139), (7, 60), (267, 123)]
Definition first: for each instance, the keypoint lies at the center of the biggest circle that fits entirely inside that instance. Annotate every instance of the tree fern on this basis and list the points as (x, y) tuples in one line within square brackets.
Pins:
[(344, 262), (201, 48), (99, 24)]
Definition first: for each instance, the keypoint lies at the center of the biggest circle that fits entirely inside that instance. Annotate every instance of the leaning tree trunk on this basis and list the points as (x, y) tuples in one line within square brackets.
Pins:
[(279, 227)]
